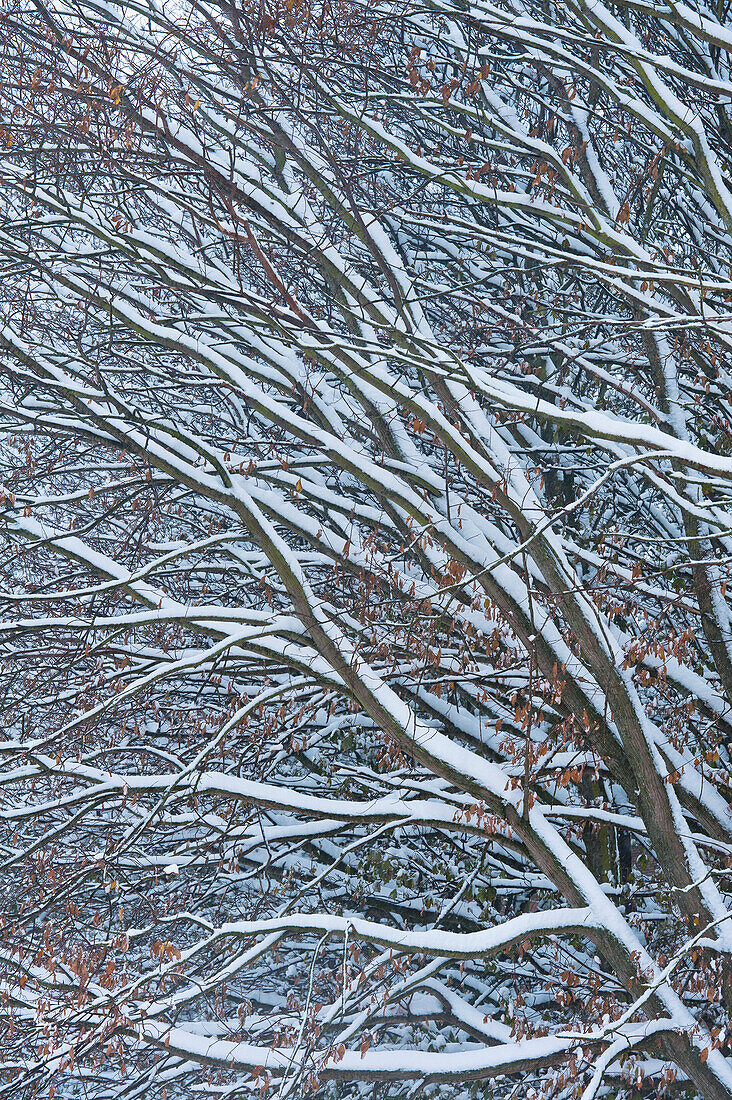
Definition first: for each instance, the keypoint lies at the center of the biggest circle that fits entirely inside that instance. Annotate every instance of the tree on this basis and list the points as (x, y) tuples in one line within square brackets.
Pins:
[(366, 469)]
